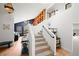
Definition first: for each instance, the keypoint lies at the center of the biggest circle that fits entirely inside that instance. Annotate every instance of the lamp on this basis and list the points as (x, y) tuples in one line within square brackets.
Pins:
[(9, 8)]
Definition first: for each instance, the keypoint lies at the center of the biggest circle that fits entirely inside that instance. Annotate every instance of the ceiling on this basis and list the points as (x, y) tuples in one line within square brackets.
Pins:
[(26, 11)]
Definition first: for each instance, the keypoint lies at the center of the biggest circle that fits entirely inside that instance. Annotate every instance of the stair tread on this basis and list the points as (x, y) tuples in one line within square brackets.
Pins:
[(40, 42), (38, 36), (39, 39), (41, 47), (41, 50), (45, 53)]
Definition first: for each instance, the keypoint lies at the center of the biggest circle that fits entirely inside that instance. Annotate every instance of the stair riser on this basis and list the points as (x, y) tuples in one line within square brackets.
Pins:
[(39, 40), (39, 37), (41, 46)]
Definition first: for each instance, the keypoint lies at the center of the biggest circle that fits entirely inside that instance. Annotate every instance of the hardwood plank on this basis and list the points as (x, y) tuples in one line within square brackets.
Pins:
[(14, 50), (62, 52)]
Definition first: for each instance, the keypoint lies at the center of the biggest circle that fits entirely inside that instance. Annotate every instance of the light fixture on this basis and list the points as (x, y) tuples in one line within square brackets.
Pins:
[(9, 8)]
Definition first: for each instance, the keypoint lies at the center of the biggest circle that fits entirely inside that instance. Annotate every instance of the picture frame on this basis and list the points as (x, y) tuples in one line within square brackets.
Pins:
[(6, 26), (68, 5)]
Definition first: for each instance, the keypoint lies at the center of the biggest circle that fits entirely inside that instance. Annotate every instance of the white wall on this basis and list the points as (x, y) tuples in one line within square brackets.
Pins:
[(64, 22), (5, 18), (38, 27), (46, 21), (64, 26)]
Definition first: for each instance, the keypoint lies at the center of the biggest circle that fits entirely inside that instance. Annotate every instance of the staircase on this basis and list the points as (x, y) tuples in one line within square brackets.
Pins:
[(41, 46)]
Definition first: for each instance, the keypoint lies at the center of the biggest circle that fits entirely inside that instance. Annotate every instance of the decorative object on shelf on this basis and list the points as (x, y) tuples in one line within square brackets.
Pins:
[(51, 13), (68, 5), (9, 8), (39, 18)]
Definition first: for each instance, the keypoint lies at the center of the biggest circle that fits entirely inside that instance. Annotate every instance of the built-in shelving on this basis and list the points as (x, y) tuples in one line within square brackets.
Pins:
[(38, 19)]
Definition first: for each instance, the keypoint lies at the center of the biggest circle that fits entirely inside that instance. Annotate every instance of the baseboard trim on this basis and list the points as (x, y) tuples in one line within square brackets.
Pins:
[(67, 50)]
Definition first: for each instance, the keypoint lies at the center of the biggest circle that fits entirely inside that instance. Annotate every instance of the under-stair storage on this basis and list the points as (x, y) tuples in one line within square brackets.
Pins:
[(58, 42)]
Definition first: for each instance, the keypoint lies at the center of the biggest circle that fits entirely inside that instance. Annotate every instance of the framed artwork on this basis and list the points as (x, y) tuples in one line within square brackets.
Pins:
[(68, 5), (6, 26)]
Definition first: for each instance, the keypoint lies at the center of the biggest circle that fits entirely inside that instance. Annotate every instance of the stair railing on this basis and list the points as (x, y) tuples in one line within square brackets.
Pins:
[(31, 39), (50, 39)]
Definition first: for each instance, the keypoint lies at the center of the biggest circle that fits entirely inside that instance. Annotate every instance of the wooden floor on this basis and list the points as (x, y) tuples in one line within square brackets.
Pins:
[(15, 50), (62, 52)]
